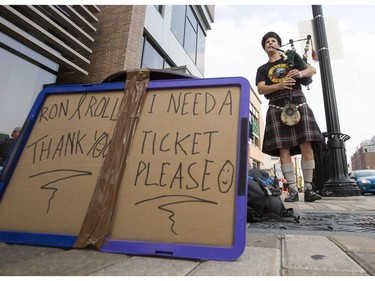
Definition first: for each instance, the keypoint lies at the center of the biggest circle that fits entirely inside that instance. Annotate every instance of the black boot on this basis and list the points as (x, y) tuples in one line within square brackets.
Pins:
[(311, 195), (292, 195)]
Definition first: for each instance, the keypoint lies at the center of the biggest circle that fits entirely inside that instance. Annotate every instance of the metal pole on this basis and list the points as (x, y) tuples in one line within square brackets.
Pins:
[(338, 184)]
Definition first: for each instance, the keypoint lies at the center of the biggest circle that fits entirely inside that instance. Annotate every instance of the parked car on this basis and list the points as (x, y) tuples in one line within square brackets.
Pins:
[(365, 180)]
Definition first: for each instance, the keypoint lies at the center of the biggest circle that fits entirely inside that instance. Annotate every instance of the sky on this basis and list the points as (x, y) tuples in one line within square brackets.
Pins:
[(233, 48)]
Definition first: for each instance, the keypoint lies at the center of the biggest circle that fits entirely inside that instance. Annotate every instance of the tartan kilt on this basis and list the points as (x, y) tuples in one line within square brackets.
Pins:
[(278, 135)]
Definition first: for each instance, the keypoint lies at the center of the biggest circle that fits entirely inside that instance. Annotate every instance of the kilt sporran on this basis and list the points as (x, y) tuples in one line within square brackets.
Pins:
[(290, 115)]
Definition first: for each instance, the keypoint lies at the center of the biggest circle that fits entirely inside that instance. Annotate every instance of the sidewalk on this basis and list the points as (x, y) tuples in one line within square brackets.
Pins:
[(336, 237)]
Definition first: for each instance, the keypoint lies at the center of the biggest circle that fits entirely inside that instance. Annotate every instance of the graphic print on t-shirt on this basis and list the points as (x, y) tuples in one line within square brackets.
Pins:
[(278, 72)]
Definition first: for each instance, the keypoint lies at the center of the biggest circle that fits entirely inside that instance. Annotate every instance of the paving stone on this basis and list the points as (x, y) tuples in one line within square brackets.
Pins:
[(149, 266), (314, 206), (349, 206), (71, 262), (263, 240), (367, 208), (361, 249), (315, 255), (335, 207), (269, 252), (354, 243), (254, 262), (354, 199), (12, 253), (298, 206), (366, 260)]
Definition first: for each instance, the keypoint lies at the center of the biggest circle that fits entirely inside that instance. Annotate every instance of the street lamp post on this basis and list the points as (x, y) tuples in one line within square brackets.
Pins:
[(338, 184)]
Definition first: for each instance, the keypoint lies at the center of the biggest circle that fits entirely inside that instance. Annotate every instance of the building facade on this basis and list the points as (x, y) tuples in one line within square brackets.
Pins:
[(364, 157), (76, 44), (256, 156)]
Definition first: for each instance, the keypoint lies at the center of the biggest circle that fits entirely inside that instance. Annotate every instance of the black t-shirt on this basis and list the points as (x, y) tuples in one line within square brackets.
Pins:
[(273, 73)]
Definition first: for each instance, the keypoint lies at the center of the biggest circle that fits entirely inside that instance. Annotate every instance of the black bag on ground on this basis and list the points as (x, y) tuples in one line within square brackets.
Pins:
[(263, 199)]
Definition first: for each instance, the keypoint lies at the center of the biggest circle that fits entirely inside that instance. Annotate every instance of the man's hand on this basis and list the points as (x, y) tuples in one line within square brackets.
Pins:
[(294, 73), (287, 83)]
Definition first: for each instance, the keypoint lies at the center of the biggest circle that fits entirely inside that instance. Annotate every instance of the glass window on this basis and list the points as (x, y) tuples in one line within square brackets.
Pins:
[(191, 17), (151, 58), (154, 58), (201, 49), (186, 28), (190, 41), (23, 72), (254, 117), (160, 9), (178, 22), (191, 35)]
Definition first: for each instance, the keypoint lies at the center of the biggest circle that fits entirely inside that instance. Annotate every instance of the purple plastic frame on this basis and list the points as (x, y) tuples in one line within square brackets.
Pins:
[(204, 252)]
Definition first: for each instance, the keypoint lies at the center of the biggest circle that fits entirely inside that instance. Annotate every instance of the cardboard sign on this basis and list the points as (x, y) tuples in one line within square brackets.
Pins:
[(182, 193)]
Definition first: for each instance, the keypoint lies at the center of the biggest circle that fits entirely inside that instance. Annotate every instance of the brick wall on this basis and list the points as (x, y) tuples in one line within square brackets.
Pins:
[(363, 160), (117, 44), (369, 160)]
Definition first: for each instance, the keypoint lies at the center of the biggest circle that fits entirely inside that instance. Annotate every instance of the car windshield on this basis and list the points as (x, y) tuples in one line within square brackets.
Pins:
[(367, 173)]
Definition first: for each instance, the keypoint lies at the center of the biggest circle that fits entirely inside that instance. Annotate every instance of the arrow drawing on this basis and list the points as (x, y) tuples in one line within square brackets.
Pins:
[(174, 200), (54, 176)]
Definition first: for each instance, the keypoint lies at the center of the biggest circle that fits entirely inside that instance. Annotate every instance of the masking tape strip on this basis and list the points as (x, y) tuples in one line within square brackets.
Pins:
[(98, 217)]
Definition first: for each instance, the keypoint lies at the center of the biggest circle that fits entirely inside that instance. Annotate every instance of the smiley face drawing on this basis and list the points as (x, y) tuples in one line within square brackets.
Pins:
[(225, 178)]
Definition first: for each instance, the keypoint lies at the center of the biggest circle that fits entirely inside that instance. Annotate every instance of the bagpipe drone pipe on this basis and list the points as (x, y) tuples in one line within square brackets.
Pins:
[(295, 61)]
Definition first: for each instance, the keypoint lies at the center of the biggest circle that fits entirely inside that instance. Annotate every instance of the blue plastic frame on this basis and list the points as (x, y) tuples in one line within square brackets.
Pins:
[(143, 247)]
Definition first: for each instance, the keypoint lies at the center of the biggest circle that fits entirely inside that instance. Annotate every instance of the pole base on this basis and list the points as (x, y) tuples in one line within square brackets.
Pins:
[(337, 188)]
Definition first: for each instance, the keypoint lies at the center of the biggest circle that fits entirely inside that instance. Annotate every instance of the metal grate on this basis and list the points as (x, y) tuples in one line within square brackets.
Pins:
[(315, 221)]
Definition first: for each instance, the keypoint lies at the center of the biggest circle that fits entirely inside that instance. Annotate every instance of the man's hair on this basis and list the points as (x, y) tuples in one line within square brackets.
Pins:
[(268, 35)]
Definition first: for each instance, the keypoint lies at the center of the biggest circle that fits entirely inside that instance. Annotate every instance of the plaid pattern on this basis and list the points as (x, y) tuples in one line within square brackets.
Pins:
[(278, 135)]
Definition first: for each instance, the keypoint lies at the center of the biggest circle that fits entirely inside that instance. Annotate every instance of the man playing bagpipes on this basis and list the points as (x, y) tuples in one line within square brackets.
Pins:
[(291, 127)]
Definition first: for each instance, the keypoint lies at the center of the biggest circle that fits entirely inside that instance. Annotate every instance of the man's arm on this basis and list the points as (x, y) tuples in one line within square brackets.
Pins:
[(295, 73), (286, 84)]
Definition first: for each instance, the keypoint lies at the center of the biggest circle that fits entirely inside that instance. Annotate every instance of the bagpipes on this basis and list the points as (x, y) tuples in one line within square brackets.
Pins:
[(290, 114), (294, 60)]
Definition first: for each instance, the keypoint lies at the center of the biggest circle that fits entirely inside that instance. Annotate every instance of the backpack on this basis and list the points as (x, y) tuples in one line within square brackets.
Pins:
[(263, 199)]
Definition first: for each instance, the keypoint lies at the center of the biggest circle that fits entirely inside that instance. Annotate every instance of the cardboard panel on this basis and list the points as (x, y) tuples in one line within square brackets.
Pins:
[(52, 184), (183, 190)]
